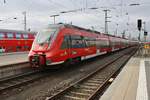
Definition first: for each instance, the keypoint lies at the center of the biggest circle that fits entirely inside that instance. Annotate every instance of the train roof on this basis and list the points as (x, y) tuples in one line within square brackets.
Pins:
[(89, 30), (80, 28), (73, 26), (77, 27), (17, 31)]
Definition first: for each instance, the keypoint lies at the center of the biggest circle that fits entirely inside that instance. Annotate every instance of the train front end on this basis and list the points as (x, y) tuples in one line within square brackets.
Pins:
[(41, 47)]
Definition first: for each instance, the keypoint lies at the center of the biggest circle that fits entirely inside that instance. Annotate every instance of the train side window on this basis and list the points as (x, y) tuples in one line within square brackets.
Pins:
[(18, 48), (18, 36), (65, 43), (113, 42), (77, 41), (86, 41), (90, 41), (102, 43), (2, 35), (10, 35), (25, 36)]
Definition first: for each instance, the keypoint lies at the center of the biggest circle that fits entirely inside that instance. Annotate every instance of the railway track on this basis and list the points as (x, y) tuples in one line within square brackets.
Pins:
[(14, 69), (24, 79), (88, 87), (21, 79)]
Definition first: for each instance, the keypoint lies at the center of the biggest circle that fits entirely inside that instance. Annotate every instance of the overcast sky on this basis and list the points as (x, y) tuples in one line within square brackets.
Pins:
[(39, 12)]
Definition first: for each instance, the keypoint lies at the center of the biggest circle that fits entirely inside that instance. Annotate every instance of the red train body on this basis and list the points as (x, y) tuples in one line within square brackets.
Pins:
[(15, 41), (63, 43)]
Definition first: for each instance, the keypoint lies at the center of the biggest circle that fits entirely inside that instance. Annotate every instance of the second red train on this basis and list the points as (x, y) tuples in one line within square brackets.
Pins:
[(15, 41)]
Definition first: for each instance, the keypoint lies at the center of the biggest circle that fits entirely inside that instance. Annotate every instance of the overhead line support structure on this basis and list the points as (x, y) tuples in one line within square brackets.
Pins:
[(106, 20), (54, 17)]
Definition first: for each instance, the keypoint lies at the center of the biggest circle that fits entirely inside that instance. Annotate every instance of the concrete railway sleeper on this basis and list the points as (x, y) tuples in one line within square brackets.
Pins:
[(20, 80)]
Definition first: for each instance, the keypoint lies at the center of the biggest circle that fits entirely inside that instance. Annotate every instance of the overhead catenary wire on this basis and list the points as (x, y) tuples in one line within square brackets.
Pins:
[(74, 3), (59, 4)]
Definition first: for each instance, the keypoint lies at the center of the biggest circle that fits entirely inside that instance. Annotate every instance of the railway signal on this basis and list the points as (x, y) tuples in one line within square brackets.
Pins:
[(139, 26), (145, 33)]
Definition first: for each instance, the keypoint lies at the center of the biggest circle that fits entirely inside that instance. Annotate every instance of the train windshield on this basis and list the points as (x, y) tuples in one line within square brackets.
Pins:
[(45, 36)]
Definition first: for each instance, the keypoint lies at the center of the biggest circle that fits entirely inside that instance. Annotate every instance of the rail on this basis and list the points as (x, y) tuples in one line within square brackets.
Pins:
[(87, 87)]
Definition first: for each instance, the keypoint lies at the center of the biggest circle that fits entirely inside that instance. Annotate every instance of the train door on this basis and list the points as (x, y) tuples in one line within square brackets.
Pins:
[(66, 50), (66, 45), (68, 40)]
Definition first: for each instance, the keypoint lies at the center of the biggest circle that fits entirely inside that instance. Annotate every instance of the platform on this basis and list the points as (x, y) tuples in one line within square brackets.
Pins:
[(133, 82), (12, 58)]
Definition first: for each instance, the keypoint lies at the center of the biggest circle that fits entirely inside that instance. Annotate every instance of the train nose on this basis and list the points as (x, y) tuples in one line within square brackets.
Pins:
[(38, 60)]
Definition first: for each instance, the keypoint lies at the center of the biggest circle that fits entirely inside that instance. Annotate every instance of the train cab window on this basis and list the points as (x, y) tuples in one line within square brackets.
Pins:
[(18, 36), (2, 35), (65, 43), (25, 36), (10, 35)]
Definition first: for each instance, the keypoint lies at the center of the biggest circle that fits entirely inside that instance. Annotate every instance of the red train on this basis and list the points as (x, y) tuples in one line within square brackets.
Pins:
[(15, 41), (63, 43)]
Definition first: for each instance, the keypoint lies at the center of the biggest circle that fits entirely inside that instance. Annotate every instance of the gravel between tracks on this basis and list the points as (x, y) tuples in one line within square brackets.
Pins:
[(14, 69), (58, 78)]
